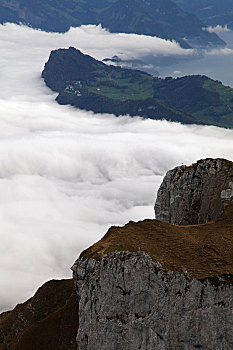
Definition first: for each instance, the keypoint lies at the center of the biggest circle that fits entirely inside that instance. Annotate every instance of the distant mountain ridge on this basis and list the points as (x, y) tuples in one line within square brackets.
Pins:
[(210, 12), (86, 83), (160, 18)]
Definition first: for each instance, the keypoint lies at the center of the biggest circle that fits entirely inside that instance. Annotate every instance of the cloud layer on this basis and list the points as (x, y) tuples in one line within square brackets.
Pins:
[(217, 29), (67, 175)]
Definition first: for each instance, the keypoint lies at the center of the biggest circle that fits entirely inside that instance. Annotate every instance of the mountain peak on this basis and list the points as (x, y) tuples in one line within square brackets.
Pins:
[(195, 194)]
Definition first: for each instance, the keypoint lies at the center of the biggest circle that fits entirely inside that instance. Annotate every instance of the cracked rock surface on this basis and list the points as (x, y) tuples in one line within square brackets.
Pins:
[(195, 194), (128, 302)]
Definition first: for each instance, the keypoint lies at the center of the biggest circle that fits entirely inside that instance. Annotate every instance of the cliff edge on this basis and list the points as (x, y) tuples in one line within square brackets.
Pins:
[(154, 285), (148, 285), (127, 301), (195, 194)]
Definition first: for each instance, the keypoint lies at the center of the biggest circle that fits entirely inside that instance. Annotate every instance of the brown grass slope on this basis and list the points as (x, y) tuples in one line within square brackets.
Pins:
[(47, 321), (204, 250)]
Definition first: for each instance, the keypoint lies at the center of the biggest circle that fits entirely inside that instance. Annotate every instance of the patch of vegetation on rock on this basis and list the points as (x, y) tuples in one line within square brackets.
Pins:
[(203, 250)]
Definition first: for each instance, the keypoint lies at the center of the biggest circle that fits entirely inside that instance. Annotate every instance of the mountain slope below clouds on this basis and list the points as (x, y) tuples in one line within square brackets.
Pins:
[(86, 83), (210, 12), (160, 18)]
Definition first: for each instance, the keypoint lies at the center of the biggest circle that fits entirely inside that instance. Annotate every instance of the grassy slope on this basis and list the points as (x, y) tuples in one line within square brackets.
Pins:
[(47, 321), (219, 112), (123, 85), (219, 115), (204, 250), (204, 98)]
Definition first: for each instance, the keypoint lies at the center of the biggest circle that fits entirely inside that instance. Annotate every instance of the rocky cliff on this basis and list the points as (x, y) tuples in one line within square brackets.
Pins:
[(195, 194), (127, 301), (145, 286), (153, 285)]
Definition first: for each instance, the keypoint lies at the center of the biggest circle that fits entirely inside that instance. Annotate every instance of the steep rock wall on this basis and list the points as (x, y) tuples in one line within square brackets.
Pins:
[(195, 194), (127, 301)]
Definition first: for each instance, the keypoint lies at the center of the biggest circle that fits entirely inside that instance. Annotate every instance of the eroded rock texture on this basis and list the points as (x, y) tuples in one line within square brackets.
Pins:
[(195, 194), (127, 301)]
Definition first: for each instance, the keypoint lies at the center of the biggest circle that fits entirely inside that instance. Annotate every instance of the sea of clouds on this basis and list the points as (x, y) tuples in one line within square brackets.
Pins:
[(67, 175)]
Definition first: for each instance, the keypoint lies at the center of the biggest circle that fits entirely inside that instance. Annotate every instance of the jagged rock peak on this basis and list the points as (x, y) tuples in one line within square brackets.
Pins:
[(195, 194)]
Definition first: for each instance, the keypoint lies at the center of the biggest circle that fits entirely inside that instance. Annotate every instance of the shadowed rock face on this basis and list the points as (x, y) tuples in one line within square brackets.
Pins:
[(195, 194), (127, 301), (47, 321)]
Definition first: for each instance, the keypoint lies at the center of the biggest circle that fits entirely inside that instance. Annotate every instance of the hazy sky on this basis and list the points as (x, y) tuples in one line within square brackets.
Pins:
[(66, 175)]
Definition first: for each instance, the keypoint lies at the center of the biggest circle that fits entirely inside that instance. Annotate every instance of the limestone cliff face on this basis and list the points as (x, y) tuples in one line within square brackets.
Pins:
[(195, 194), (127, 301)]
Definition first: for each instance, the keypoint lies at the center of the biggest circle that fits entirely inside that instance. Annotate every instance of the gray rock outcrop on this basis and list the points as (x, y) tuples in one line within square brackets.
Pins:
[(128, 302), (195, 194)]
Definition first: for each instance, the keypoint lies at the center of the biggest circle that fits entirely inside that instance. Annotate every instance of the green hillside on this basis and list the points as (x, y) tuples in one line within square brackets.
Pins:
[(89, 84), (158, 18), (204, 98)]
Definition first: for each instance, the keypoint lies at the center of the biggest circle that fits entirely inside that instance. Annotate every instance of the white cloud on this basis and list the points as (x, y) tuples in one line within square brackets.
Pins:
[(217, 29), (94, 40), (177, 72), (226, 51), (67, 175)]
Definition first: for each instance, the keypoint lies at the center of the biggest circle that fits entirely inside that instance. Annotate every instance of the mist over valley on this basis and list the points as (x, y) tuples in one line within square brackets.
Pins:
[(67, 175)]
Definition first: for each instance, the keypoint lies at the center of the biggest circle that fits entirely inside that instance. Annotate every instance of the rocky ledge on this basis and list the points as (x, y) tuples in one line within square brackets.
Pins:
[(195, 194)]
